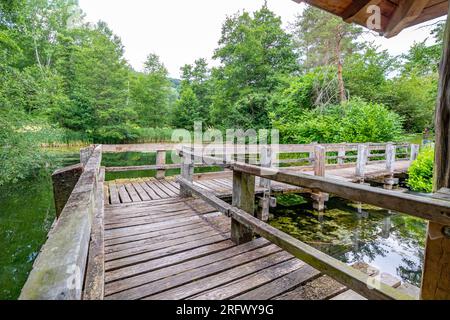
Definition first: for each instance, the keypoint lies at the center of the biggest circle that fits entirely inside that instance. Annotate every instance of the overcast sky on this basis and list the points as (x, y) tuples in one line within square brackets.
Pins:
[(180, 31)]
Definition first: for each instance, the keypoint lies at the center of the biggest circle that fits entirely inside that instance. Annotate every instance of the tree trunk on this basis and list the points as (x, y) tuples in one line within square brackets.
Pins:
[(436, 273), (342, 95)]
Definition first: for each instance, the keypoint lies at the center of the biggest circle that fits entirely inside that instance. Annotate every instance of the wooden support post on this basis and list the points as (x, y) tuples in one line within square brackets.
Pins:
[(319, 198), (415, 148), (243, 198), (264, 203), (361, 161), (64, 181), (266, 162), (436, 271), (160, 161), (187, 171), (319, 161), (390, 158), (389, 181), (341, 155)]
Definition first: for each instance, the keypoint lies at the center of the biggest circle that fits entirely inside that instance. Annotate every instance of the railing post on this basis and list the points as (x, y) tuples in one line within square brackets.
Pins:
[(187, 171), (361, 161), (319, 198), (415, 148), (243, 198), (390, 158), (264, 203), (319, 161), (341, 155), (391, 151), (160, 161)]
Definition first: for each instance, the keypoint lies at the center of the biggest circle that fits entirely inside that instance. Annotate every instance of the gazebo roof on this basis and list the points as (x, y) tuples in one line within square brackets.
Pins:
[(396, 15)]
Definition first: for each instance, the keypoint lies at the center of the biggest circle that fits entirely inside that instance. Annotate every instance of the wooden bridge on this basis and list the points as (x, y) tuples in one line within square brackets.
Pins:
[(176, 237)]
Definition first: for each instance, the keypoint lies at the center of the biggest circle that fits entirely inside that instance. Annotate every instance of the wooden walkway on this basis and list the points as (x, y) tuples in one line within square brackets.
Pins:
[(181, 249), (147, 189), (149, 238)]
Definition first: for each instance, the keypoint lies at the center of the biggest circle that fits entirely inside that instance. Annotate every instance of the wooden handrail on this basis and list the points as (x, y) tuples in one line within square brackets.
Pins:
[(426, 208), (352, 278), (59, 270)]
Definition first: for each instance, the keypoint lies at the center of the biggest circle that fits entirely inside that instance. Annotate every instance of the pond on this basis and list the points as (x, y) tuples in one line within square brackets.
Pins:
[(26, 214), (392, 242)]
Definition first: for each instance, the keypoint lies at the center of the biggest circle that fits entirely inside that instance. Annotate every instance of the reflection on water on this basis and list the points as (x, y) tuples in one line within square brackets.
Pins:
[(392, 242)]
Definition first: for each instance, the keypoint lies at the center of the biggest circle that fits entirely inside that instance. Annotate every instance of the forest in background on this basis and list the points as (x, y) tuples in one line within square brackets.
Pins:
[(65, 80)]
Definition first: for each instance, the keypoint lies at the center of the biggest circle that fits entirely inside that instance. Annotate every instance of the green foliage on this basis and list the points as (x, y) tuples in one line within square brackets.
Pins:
[(149, 94), (421, 172), (414, 97), (19, 158), (255, 54), (354, 121), (322, 38)]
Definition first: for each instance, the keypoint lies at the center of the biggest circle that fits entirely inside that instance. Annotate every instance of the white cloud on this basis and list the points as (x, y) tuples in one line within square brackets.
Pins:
[(181, 31)]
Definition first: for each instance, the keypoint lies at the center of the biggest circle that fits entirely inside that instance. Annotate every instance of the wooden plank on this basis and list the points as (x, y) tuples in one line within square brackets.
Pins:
[(139, 274), (132, 192), (114, 193), (163, 187), (167, 283), (123, 194), (161, 238), (116, 233), (140, 221), (149, 235), (279, 286), (142, 194), (436, 271), (115, 264), (140, 249), (251, 281), (170, 186), (322, 288), (176, 264), (95, 270), (152, 185), (152, 194), (407, 11), (222, 285)]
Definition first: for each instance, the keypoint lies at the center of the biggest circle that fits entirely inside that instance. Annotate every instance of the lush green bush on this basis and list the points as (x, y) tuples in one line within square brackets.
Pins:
[(19, 155), (421, 171), (353, 121)]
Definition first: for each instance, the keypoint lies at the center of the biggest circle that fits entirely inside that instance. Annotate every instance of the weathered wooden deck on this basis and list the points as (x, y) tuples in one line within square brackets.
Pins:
[(161, 238), (178, 248), (221, 184)]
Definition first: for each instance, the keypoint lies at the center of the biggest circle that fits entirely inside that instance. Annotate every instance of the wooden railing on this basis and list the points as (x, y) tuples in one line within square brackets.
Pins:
[(289, 156), (245, 224), (60, 269)]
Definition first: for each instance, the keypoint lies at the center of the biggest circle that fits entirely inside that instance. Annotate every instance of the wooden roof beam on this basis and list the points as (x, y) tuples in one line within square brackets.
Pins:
[(357, 8), (406, 12)]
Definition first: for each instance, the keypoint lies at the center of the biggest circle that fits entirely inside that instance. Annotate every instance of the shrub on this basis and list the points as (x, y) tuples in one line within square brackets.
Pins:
[(353, 121), (421, 172)]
